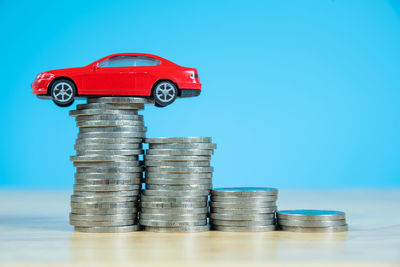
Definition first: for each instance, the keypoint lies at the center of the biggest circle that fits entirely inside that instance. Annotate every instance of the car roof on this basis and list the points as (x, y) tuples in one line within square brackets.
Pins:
[(163, 60)]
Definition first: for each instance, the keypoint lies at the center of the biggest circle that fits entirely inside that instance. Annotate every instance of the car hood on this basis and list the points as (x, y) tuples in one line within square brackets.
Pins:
[(66, 71)]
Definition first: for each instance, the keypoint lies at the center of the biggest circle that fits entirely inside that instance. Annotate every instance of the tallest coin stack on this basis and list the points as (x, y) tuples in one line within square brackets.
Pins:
[(108, 165)]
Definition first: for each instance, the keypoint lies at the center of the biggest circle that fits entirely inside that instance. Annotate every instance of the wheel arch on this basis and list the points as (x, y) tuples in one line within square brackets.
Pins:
[(165, 80), (61, 78)]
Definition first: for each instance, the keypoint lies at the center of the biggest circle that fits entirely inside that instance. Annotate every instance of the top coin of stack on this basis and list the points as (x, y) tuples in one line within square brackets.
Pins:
[(312, 221), (243, 209), (109, 172), (178, 182)]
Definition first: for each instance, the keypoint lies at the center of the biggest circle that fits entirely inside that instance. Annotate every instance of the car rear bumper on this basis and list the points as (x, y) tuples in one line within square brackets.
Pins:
[(190, 92), (192, 85)]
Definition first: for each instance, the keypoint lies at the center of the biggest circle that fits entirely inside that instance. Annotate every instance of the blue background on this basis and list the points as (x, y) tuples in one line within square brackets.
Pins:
[(295, 93)]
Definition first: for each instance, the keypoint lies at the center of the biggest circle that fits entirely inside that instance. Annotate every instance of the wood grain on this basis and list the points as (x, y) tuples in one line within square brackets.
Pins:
[(34, 230)]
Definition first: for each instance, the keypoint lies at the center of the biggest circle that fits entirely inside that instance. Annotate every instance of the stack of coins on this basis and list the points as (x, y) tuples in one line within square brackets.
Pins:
[(309, 221), (108, 169), (178, 182), (243, 209)]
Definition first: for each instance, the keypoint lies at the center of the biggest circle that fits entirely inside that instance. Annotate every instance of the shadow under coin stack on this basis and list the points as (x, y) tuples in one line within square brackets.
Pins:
[(108, 169), (312, 221), (243, 209), (178, 183)]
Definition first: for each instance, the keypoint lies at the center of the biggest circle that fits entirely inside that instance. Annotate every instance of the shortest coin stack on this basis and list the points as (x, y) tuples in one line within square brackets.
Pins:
[(242, 209), (311, 221)]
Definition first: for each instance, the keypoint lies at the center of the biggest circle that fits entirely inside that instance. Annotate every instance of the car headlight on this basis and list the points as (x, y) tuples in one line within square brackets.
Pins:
[(44, 76)]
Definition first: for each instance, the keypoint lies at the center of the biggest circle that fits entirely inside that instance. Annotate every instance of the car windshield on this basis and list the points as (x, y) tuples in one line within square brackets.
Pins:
[(129, 61)]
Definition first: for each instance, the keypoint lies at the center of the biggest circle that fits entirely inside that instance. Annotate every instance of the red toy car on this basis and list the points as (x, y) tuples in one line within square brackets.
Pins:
[(127, 74)]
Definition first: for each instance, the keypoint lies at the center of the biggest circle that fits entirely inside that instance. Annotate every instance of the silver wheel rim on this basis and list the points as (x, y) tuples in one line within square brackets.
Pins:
[(165, 92), (63, 92)]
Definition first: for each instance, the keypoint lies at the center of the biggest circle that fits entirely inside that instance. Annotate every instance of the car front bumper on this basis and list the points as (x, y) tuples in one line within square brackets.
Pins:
[(39, 87)]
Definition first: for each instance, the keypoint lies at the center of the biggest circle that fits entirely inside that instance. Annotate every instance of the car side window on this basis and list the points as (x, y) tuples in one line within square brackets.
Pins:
[(129, 61)]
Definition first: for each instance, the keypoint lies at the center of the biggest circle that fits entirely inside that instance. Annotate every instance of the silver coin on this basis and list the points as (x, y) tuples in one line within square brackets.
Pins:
[(109, 152), (172, 217), (78, 187), (101, 223), (343, 228), (116, 129), (177, 158), (108, 164), (108, 106), (120, 100), (161, 181), (106, 124), (112, 135), (226, 205), (132, 193), (175, 211), (180, 152), (160, 163), (180, 169), (115, 205), (172, 223), (110, 170), (167, 140), (101, 158), (101, 199), (253, 228), (107, 146), (245, 191), (168, 205), (243, 200), (186, 199), (169, 193), (183, 229), (243, 223), (109, 118), (312, 223), (244, 210), (107, 140), (178, 187), (136, 181), (183, 146), (108, 176), (242, 217), (328, 215), (101, 218), (109, 229), (83, 112), (102, 211), (198, 175)]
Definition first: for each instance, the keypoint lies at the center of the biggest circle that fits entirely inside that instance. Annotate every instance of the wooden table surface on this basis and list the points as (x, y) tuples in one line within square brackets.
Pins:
[(34, 230)]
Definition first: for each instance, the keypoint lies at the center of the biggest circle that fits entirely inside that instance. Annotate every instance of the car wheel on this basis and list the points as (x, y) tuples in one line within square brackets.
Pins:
[(165, 93), (63, 92)]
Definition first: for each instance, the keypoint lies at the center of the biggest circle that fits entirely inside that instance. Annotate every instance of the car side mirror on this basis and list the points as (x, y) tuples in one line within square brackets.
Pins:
[(94, 67)]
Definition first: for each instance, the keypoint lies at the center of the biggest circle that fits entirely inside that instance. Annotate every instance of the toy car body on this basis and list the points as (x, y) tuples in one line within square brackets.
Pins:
[(125, 74)]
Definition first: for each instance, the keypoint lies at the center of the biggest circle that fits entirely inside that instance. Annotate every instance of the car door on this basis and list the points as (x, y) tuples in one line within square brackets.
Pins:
[(142, 77), (113, 77)]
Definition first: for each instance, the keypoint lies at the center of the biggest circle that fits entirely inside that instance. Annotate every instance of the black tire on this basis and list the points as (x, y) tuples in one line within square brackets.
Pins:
[(63, 92), (164, 93)]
